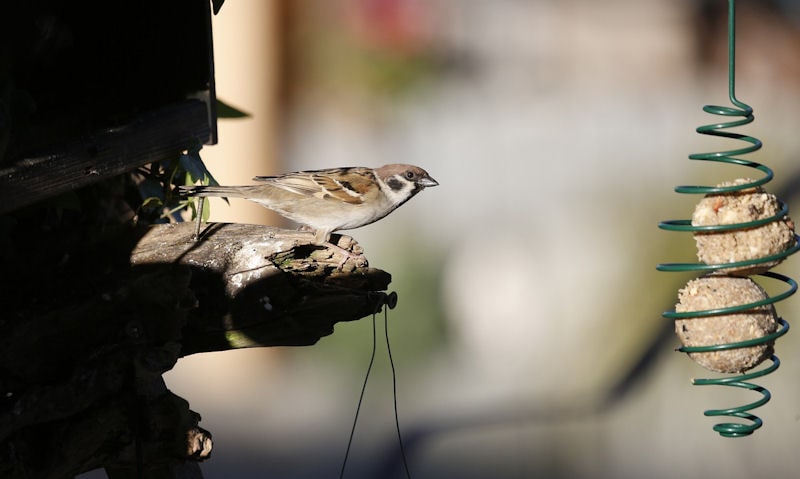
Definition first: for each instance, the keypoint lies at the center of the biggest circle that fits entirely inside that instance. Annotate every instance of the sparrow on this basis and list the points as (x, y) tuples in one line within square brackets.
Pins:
[(331, 199)]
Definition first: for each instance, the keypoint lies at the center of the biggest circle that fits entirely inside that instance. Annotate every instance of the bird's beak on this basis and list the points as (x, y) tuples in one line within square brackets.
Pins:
[(427, 181)]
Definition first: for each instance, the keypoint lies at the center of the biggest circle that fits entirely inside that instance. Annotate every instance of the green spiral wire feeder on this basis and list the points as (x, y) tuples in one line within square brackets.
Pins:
[(739, 114)]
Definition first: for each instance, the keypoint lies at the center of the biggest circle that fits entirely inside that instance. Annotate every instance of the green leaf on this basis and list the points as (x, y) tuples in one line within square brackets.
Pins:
[(206, 209), (217, 4), (152, 203), (225, 110), (210, 180), (151, 188), (193, 164)]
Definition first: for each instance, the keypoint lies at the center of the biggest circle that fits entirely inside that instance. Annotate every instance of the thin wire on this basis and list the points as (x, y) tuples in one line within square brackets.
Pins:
[(394, 393), (360, 399), (394, 396), (732, 54)]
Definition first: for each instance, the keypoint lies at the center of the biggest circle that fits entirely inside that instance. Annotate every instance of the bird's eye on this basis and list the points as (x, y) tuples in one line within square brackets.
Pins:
[(410, 175)]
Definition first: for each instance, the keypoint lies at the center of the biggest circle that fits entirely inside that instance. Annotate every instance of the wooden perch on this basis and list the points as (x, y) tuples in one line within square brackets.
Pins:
[(264, 286), (81, 378)]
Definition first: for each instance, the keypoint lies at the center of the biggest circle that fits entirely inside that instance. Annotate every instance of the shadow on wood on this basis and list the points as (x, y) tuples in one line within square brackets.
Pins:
[(264, 286), (81, 382)]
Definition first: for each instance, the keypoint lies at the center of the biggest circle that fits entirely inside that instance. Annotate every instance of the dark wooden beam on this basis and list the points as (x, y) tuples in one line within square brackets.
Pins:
[(156, 136)]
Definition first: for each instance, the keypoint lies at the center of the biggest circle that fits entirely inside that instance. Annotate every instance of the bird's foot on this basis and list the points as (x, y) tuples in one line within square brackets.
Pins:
[(348, 249)]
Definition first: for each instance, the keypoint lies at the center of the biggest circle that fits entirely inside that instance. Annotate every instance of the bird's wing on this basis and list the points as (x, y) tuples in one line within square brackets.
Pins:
[(348, 185), (299, 183)]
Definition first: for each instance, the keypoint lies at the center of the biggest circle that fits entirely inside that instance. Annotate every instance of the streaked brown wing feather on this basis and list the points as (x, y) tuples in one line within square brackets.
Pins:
[(347, 185), (300, 183)]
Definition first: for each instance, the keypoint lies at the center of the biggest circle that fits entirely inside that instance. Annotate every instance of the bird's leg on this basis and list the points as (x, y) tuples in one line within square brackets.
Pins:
[(323, 238), (200, 204), (345, 254)]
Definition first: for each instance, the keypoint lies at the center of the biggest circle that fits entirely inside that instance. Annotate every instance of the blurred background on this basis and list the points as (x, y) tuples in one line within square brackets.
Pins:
[(528, 336)]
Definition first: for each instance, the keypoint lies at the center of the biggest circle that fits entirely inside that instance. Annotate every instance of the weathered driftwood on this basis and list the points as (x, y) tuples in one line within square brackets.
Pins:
[(264, 286), (81, 385)]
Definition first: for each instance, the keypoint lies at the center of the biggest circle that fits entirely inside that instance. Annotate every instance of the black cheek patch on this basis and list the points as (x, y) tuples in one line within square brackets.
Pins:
[(394, 184)]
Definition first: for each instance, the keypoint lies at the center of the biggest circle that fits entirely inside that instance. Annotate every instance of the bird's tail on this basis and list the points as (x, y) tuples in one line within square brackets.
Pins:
[(224, 191)]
